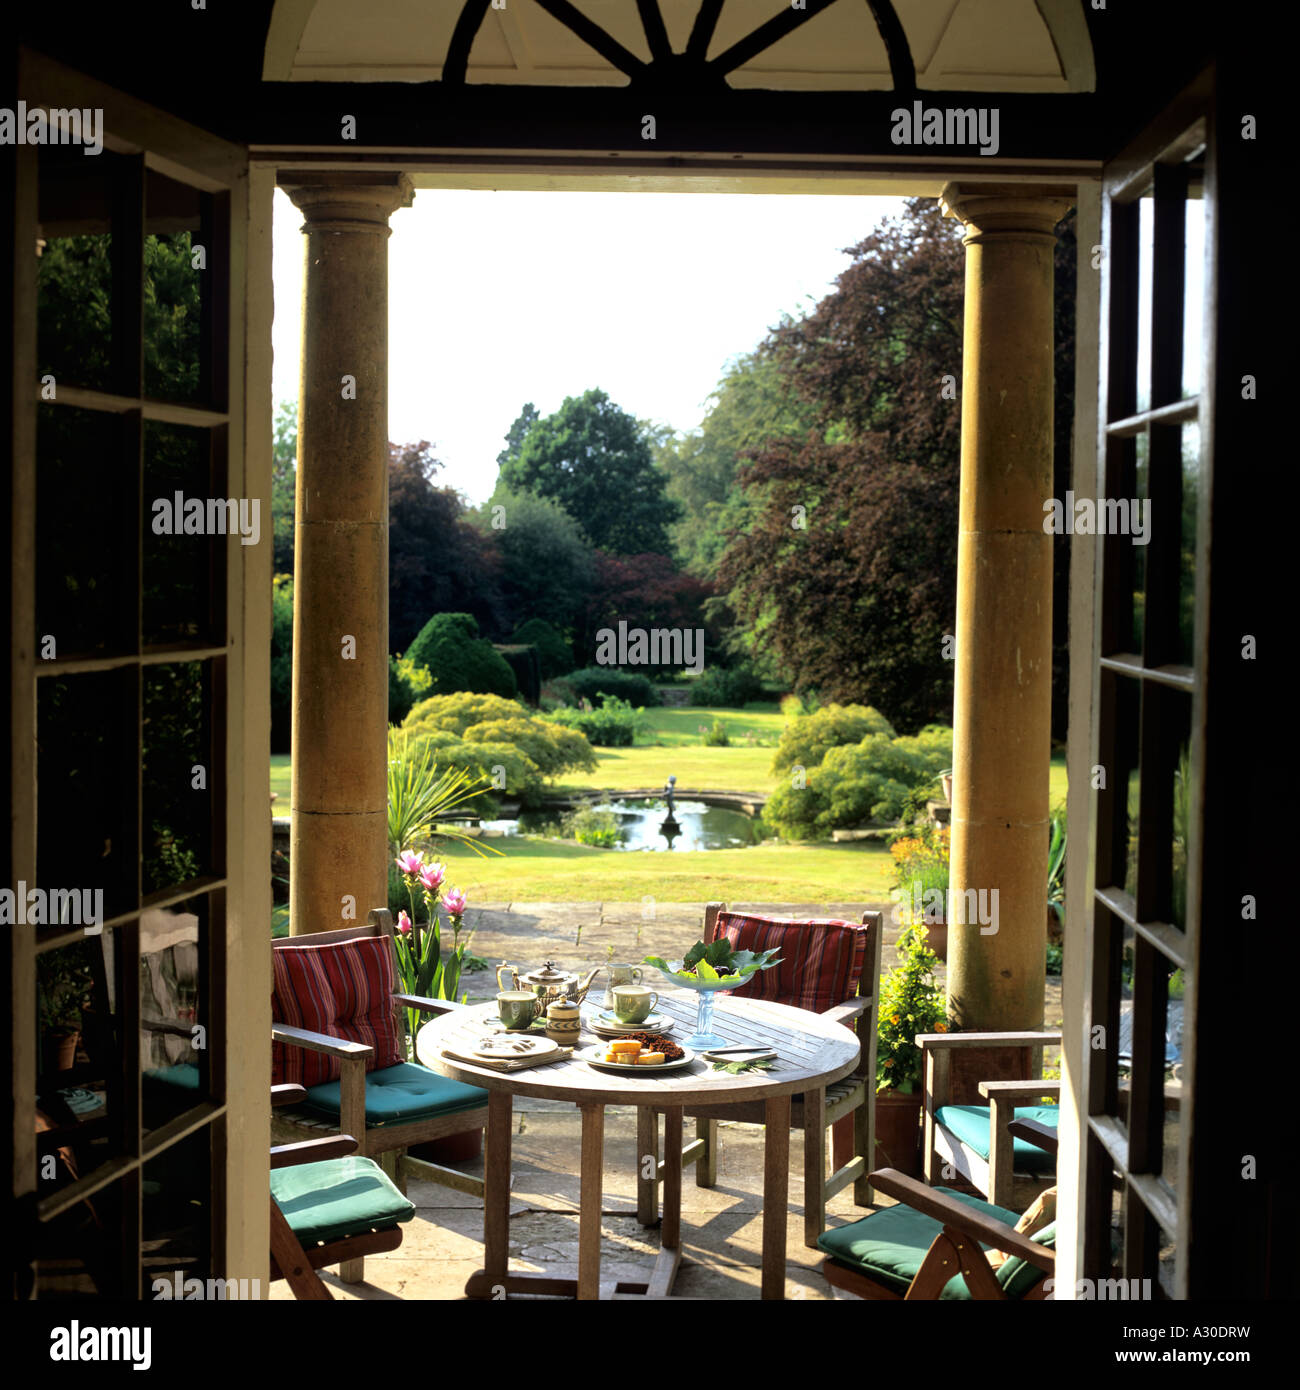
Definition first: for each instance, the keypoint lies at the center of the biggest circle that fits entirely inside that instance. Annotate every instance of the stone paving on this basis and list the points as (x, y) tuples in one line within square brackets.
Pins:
[(721, 1227)]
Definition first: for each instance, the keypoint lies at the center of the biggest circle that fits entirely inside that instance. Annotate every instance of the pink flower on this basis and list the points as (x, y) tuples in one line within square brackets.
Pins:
[(454, 901), (409, 862), (431, 876), (403, 924)]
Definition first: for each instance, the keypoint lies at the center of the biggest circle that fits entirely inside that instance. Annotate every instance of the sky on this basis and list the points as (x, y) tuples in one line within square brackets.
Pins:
[(496, 299)]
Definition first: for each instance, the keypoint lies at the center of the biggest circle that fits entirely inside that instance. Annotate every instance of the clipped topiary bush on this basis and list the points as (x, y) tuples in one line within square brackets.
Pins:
[(729, 688), (805, 741), (596, 682), (615, 724), (554, 654), (459, 659)]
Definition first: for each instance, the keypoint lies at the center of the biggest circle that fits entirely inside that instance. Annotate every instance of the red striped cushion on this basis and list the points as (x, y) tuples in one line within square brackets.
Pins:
[(821, 958), (343, 989)]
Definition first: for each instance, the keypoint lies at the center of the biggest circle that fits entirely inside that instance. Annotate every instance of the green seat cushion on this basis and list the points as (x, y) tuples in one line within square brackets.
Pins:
[(337, 1198), (1018, 1276), (970, 1123), (397, 1095), (184, 1075), (890, 1245)]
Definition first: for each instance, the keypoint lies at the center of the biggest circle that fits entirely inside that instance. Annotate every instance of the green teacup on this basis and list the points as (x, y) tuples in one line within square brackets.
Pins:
[(633, 1003), (517, 1007)]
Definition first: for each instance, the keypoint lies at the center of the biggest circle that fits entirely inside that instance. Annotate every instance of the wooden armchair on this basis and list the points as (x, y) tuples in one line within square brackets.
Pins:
[(337, 1210), (814, 1112), (930, 1247), (389, 1109), (976, 1139)]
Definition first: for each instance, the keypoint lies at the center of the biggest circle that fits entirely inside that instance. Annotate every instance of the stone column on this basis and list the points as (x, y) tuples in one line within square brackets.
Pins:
[(1003, 683), (339, 839)]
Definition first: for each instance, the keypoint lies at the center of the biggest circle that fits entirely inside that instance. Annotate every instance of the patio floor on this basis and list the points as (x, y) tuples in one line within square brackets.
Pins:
[(721, 1227)]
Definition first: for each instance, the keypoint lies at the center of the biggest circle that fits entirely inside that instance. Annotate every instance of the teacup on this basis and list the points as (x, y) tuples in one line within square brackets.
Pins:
[(633, 1003), (517, 1007), (619, 975)]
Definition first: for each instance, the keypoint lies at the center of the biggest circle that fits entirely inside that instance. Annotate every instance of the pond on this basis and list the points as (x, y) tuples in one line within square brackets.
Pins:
[(700, 826)]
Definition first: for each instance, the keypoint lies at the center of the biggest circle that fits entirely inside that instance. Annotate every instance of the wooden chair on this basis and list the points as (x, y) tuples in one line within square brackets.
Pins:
[(349, 1200), (929, 1247), (977, 1139), (358, 1092), (813, 1113)]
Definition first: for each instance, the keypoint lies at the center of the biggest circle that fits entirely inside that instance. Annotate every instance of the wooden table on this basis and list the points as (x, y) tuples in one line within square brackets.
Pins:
[(812, 1053)]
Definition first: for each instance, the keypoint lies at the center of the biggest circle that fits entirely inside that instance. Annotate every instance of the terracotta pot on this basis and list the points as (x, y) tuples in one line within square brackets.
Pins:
[(936, 936), (898, 1132), (60, 1046), (453, 1148)]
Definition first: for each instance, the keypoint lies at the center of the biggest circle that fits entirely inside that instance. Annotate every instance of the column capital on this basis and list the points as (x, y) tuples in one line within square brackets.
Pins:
[(347, 200), (1007, 209)]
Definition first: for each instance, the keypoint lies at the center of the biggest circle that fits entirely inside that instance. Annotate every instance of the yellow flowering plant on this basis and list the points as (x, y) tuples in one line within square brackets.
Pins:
[(910, 1003)]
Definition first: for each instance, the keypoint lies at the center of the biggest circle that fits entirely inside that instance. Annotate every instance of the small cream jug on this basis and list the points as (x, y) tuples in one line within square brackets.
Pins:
[(620, 975)]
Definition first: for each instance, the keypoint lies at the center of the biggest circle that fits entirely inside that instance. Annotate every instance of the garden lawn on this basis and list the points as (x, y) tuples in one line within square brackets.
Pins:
[(537, 870)]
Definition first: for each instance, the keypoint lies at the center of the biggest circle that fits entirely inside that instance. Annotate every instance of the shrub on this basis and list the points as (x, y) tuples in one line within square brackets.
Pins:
[(558, 693), (554, 654), (910, 1003), (592, 827), (614, 725), (719, 686), (484, 733), (716, 737), (407, 683), (860, 782), (594, 683), (449, 645), (806, 740), (792, 706), (523, 663)]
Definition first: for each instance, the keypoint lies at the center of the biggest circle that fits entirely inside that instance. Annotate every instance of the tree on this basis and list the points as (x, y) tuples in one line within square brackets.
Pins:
[(546, 567), (646, 591), (847, 575), (594, 460), (437, 560), (752, 406), (284, 481), (518, 432), (457, 658)]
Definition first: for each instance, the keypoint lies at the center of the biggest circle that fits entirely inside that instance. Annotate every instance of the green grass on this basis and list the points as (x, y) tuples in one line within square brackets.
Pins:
[(536, 870), (677, 727), (737, 768)]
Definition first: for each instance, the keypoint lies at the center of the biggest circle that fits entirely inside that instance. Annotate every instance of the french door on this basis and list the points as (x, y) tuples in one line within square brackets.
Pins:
[(130, 822)]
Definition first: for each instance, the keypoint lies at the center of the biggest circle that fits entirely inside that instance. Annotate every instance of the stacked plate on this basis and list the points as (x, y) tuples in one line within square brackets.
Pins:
[(606, 1024)]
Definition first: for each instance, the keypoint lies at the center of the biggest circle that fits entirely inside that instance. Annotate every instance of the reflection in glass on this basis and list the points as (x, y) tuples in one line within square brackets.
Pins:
[(177, 1219), (178, 774), (1142, 490), (1146, 282), (1191, 455), (86, 765), (1193, 295), (179, 569), (173, 1015), (85, 496)]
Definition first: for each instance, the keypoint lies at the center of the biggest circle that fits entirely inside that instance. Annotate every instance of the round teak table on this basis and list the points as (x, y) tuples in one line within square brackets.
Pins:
[(812, 1053)]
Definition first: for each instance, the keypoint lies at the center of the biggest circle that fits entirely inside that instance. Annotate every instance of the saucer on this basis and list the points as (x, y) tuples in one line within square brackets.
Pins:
[(607, 1022), (508, 1047)]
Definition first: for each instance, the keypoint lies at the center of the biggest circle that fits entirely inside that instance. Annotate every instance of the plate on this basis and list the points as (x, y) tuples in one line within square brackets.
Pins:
[(606, 1021), (510, 1046), (595, 1057)]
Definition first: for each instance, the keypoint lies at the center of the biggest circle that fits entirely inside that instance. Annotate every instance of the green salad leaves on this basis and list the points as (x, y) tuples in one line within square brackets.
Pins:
[(713, 962)]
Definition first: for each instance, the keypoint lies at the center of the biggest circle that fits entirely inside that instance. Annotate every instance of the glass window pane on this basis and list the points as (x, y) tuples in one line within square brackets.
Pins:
[(79, 1087), (86, 489), (174, 1014), (1191, 458), (173, 287), (78, 1252), (1146, 282), (87, 769), (184, 561), (177, 1219), (74, 275), (178, 774), (1194, 293), (1141, 490)]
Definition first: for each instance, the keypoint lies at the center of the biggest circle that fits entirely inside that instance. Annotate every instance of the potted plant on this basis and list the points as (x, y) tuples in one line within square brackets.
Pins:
[(921, 881), (64, 984), (910, 1003)]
